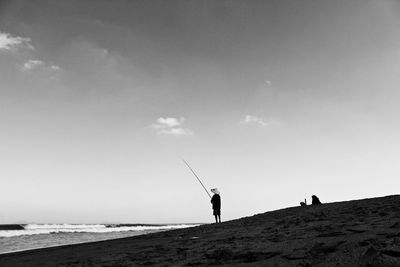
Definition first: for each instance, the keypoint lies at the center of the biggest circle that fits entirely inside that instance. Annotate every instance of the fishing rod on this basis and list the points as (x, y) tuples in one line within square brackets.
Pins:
[(198, 179)]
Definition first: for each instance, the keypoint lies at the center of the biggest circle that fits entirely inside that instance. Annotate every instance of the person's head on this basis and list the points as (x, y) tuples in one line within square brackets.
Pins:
[(314, 197), (215, 191)]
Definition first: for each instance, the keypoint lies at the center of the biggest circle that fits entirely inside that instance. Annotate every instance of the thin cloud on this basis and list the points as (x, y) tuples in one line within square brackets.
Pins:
[(35, 64), (169, 122), (171, 126), (32, 64), (259, 121), (9, 42), (12, 43), (55, 67), (176, 131)]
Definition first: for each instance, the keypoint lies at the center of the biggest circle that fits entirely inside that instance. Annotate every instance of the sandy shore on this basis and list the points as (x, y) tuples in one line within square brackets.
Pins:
[(353, 233)]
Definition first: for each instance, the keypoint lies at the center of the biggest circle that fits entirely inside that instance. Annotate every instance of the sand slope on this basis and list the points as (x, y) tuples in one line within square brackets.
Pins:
[(353, 233)]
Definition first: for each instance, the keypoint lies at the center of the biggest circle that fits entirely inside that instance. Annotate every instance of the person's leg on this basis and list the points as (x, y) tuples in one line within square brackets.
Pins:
[(219, 218), (216, 219)]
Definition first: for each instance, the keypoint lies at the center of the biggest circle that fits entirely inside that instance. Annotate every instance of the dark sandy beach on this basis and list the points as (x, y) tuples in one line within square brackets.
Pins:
[(353, 233)]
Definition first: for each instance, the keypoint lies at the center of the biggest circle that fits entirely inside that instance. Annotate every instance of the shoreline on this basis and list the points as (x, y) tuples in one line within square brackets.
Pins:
[(41, 238), (33, 250)]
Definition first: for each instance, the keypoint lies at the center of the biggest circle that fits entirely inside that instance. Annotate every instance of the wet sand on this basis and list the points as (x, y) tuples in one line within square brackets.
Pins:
[(353, 233)]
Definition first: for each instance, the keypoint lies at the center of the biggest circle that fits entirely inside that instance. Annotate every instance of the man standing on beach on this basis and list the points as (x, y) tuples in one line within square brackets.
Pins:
[(216, 205)]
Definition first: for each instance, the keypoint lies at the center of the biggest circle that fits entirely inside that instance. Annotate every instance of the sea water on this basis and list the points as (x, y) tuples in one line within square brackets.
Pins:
[(32, 236)]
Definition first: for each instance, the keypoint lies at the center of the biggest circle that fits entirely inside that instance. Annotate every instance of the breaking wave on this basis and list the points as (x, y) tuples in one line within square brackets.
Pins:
[(35, 229)]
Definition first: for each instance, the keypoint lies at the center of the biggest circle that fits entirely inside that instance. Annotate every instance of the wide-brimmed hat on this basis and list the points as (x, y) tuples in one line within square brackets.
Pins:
[(215, 191)]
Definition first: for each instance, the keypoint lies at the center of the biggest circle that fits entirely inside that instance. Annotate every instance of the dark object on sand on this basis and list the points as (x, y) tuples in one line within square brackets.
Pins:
[(303, 204), (315, 200), (216, 205)]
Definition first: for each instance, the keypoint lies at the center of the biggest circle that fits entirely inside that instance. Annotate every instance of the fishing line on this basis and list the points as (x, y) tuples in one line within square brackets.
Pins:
[(198, 179)]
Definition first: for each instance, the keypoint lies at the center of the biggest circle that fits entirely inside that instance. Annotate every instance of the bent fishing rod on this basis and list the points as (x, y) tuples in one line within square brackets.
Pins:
[(198, 179)]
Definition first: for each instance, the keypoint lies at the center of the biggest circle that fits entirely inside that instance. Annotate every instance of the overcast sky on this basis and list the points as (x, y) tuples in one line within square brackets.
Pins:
[(270, 101)]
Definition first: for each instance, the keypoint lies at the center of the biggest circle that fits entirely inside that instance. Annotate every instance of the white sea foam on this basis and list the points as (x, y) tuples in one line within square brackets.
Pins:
[(35, 229), (62, 226)]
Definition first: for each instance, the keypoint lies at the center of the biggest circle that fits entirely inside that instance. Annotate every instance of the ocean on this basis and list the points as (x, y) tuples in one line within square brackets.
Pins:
[(30, 236)]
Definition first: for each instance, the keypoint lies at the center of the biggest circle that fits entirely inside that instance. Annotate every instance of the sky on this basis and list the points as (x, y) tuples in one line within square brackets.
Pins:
[(269, 101)]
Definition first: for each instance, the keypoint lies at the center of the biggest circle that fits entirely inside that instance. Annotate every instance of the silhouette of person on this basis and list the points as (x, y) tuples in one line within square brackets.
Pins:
[(216, 205), (315, 200)]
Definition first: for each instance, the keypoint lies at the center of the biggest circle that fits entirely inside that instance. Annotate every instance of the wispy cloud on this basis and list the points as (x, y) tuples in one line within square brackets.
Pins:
[(177, 131), (55, 67), (35, 64), (171, 126), (32, 64), (259, 121), (169, 122), (12, 43), (9, 42)]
